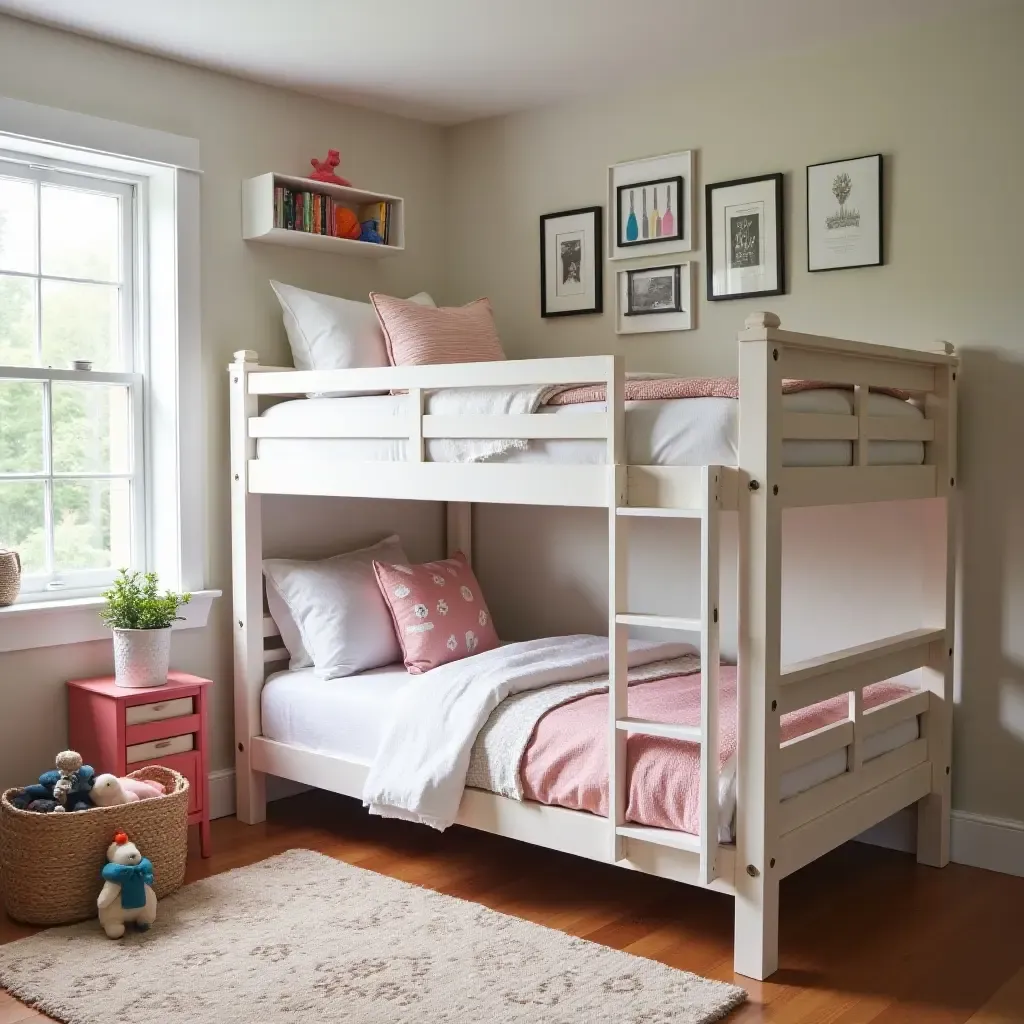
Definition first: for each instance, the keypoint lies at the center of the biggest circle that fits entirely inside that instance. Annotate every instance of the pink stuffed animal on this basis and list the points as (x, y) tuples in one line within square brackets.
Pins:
[(109, 790), (323, 170)]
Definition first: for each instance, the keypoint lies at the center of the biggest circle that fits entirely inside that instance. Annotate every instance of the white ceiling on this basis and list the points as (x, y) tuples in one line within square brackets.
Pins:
[(455, 60)]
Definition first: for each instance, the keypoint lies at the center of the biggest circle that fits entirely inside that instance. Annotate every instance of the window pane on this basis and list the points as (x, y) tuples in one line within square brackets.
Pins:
[(91, 524), (81, 234), (91, 428), (80, 321), (17, 321), (17, 225), (21, 426), (23, 523)]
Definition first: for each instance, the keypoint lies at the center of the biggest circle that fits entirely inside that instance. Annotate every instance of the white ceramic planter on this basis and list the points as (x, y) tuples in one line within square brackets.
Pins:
[(142, 657)]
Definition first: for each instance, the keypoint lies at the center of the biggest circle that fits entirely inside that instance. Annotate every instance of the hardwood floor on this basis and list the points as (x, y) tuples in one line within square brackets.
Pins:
[(867, 934)]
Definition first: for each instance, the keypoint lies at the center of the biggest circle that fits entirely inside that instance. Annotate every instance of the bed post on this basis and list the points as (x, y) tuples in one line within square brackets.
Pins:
[(756, 940), (459, 528), (940, 601), (618, 587), (247, 593)]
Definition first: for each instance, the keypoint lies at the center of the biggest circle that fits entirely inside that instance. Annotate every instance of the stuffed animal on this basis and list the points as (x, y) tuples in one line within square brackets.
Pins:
[(64, 788), (323, 170), (109, 790), (127, 895), (369, 233)]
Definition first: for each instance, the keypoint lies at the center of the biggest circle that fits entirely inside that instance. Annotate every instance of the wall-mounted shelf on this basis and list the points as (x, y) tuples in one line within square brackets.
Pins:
[(258, 216)]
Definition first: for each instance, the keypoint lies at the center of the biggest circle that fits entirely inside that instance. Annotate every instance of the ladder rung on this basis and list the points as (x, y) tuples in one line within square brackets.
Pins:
[(671, 730), (661, 837), (659, 622), (660, 513)]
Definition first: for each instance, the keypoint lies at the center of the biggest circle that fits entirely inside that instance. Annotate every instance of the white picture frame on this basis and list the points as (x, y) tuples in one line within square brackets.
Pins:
[(844, 214), (672, 310), (661, 172)]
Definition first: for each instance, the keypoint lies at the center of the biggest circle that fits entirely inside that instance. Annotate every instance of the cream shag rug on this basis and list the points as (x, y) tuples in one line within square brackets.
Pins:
[(301, 937)]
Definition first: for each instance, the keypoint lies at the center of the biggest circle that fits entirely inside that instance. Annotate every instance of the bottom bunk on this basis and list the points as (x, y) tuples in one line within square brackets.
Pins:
[(549, 746)]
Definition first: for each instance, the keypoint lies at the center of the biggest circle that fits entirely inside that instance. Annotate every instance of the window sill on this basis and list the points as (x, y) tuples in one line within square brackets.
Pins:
[(30, 624)]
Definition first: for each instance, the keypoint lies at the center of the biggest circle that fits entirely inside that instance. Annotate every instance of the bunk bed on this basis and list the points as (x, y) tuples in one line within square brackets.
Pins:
[(773, 837)]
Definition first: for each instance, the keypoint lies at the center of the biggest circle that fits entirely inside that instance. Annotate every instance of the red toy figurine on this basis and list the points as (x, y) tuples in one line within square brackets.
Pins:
[(323, 170)]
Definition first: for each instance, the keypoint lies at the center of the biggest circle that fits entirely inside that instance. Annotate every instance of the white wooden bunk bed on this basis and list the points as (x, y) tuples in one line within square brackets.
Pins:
[(773, 837)]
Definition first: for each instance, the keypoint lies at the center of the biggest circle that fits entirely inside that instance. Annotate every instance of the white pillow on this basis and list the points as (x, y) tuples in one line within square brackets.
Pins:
[(329, 333), (331, 614)]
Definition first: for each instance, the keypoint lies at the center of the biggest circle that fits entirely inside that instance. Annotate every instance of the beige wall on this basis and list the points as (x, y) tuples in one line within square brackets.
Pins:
[(943, 103), (243, 129)]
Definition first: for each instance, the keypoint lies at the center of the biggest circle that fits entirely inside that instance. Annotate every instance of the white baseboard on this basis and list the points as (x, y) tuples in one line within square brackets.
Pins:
[(222, 791), (981, 841), (996, 844)]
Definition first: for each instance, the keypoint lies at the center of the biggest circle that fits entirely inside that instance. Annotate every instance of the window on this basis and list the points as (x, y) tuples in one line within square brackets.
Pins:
[(72, 473)]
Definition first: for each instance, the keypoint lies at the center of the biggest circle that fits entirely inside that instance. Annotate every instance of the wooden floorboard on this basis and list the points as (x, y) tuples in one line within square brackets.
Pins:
[(867, 935)]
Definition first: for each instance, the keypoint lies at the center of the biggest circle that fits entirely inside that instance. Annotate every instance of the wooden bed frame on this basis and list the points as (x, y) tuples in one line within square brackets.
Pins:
[(773, 837)]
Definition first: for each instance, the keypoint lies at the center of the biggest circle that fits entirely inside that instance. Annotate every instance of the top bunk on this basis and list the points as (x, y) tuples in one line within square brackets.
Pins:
[(814, 420)]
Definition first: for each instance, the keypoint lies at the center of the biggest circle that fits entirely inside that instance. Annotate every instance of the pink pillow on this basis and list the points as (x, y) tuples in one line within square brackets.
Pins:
[(416, 335), (438, 611)]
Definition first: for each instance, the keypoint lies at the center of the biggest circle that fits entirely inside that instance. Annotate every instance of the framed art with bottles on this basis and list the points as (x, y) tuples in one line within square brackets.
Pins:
[(650, 203)]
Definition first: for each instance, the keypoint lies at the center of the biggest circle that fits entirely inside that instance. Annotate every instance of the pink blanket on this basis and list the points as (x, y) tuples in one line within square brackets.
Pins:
[(661, 388), (566, 762)]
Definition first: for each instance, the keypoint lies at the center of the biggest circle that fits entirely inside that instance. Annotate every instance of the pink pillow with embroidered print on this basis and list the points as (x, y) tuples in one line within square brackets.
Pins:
[(438, 610)]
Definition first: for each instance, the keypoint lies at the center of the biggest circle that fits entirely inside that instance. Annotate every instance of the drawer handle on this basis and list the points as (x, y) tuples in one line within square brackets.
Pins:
[(159, 707), (162, 744)]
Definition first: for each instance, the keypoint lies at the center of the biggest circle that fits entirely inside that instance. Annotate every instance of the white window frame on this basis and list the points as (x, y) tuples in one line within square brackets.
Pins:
[(167, 173), (134, 346)]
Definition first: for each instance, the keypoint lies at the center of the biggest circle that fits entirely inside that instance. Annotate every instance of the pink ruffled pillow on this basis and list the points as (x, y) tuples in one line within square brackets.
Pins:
[(438, 610)]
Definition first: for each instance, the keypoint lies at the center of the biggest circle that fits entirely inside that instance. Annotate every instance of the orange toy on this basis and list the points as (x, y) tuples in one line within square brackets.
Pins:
[(346, 223)]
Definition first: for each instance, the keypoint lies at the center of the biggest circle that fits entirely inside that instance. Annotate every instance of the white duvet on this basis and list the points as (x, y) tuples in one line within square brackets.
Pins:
[(419, 772), (673, 432)]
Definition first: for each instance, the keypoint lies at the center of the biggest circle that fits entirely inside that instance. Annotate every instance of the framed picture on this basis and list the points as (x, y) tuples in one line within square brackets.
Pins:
[(653, 290), (641, 220), (744, 222), (654, 298), (651, 206), (571, 267), (844, 214)]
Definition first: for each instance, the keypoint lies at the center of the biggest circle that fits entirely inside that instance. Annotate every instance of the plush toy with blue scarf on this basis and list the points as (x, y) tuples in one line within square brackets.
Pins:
[(127, 895)]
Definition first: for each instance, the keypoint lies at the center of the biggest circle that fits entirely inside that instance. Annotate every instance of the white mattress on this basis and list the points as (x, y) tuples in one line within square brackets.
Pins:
[(347, 718), (676, 432)]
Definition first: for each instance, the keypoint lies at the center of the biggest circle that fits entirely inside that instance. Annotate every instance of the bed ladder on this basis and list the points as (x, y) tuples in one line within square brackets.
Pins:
[(620, 724)]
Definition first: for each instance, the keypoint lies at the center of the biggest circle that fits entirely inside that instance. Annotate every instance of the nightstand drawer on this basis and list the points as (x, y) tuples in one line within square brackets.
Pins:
[(157, 749), (187, 765), (142, 713)]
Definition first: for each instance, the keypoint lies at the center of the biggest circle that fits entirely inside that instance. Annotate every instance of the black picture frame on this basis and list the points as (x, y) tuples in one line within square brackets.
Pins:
[(780, 243), (675, 270), (598, 307), (620, 234), (881, 213)]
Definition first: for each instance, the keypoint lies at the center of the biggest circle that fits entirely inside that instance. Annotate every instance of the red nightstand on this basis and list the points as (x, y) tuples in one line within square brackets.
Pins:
[(117, 730)]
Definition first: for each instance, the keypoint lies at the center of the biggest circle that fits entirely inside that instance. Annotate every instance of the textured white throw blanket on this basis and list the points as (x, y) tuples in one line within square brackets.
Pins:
[(496, 401), (419, 772)]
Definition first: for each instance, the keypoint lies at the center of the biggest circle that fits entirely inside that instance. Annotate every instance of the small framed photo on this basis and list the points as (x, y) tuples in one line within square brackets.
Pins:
[(653, 290), (844, 214), (746, 255), (650, 206), (649, 212), (571, 263), (654, 298)]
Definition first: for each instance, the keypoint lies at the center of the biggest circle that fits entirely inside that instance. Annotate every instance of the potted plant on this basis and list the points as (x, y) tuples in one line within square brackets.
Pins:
[(140, 618)]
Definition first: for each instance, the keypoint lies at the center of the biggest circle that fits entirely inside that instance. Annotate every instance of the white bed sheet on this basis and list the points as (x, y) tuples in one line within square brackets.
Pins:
[(347, 718), (675, 432)]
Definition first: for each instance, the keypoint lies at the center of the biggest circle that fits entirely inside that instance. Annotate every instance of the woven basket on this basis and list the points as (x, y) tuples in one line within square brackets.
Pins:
[(10, 577), (50, 864)]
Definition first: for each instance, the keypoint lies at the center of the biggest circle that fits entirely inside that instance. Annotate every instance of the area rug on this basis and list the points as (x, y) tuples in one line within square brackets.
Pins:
[(301, 937)]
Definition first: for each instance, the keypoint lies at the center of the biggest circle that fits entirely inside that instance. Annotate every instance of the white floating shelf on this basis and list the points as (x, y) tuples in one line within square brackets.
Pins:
[(258, 216)]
